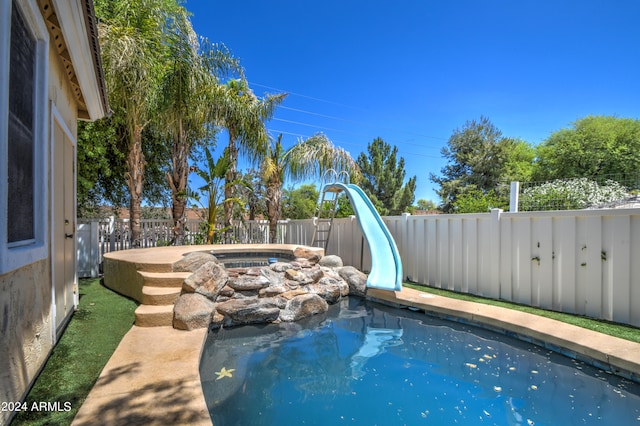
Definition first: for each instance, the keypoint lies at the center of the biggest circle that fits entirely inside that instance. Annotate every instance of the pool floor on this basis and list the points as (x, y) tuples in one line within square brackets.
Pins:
[(365, 363)]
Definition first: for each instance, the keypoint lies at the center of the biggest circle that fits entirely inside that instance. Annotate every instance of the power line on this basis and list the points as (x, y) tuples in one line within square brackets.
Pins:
[(310, 125), (308, 97), (340, 142), (315, 113), (299, 123), (340, 118), (332, 129)]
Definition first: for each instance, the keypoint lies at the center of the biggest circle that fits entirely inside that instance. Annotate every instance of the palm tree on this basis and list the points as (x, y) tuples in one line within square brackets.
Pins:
[(213, 178), (307, 159), (243, 114), (132, 46), (189, 85)]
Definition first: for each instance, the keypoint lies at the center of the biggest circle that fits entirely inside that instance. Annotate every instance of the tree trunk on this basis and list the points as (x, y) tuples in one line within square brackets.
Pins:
[(135, 182), (274, 195), (228, 188), (177, 180)]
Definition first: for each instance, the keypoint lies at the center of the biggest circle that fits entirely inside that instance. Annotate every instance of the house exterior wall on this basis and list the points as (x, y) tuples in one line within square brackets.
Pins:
[(27, 337), (27, 329)]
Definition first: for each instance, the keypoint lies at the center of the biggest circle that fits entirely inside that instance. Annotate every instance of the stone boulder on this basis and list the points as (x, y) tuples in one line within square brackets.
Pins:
[(328, 289), (250, 311), (273, 290), (273, 276), (207, 280), (303, 306), (302, 264), (331, 261), (280, 266), (304, 276), (356, 280), (192, 261), (288, 295), (192, 311), (336, 282), (249, 282), (281, 292), (313, 255)]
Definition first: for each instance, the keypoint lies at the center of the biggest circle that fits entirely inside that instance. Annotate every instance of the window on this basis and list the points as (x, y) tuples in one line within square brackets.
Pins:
[(23, 131), (22, 63)]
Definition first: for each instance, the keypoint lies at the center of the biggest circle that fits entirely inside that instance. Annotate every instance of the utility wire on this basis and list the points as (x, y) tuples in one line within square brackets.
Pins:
[(341, 143), (339, 118)]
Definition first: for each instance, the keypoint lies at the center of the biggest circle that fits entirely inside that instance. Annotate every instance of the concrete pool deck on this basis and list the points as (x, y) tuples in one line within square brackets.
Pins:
[(153, 376)]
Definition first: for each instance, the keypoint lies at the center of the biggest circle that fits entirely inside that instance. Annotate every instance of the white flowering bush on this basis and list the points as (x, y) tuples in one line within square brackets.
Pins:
[(570, 194)]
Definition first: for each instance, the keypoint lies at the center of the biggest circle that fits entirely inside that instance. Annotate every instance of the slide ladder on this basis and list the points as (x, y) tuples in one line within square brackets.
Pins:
[(325, 214)]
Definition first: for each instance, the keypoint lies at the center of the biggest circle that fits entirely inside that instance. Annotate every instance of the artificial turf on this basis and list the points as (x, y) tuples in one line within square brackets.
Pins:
[(613, 329), (101, 321)]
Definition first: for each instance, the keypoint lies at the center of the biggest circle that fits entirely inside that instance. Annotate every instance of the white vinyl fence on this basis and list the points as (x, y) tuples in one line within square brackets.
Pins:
[(99, 236), (583, 262)]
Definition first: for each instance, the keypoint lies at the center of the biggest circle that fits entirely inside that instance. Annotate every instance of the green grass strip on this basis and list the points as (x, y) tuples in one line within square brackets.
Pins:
[(96, 328), (612, 329)]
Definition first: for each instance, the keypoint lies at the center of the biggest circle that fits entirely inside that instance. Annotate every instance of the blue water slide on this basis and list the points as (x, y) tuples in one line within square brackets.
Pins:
[(386, 266)]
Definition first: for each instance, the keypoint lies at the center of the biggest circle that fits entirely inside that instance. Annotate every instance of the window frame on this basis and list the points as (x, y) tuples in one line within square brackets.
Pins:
[(18, 254)]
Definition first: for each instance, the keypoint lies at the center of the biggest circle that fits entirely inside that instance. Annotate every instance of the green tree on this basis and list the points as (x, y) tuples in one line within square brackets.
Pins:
[(188, 87), (345, 209), (254, 194), (242, 114), (519, 165), (477, 155), (100, 167), (300, 203), (383, 178), (427, 205), (477, 201), (593, 146), (133, 44), (306, 159), (214, 190)]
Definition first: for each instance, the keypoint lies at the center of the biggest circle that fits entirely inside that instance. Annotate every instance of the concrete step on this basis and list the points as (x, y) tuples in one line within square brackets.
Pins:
[(163, 279), (160, 295), (154, 315)]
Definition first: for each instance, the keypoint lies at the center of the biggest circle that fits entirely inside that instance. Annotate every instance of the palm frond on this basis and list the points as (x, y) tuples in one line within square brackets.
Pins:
[(312, 157)]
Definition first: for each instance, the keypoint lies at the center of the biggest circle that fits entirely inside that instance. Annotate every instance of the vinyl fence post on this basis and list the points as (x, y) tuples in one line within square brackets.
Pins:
[(494, 283), (94, 248), (405, 243), (514, 196), (112, 236)]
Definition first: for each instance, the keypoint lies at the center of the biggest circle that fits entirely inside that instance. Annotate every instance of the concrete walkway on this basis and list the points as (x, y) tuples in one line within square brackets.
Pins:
[(153, 376), (151, 379)]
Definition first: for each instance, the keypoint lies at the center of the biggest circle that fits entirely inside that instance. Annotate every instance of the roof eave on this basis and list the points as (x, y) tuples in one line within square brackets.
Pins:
[(79, 29)]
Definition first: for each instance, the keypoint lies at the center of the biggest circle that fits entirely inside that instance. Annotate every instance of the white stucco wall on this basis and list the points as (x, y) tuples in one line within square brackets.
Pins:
[(26, 328)]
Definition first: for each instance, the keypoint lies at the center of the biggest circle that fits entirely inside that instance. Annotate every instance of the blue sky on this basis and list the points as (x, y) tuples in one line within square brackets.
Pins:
[(413, 71)]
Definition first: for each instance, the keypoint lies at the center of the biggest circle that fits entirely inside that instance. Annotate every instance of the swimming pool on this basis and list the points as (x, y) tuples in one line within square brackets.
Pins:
[(365, 363)]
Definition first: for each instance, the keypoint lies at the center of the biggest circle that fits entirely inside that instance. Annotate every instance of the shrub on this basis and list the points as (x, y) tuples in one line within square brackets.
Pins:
[(570, 194)]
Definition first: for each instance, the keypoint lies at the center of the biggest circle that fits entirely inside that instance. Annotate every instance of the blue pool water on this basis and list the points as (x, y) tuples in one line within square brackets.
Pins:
[(367, 364)]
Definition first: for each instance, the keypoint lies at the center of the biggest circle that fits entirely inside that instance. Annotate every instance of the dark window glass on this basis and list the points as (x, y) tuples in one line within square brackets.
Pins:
[(20, 205)]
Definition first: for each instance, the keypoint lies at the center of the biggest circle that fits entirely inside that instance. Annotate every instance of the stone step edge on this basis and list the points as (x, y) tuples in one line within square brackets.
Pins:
[(163, 279), (154, 315), (152, 295)]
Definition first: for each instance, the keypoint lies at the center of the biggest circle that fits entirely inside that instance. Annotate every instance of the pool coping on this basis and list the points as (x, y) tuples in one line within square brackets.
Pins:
[(133, 388)]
